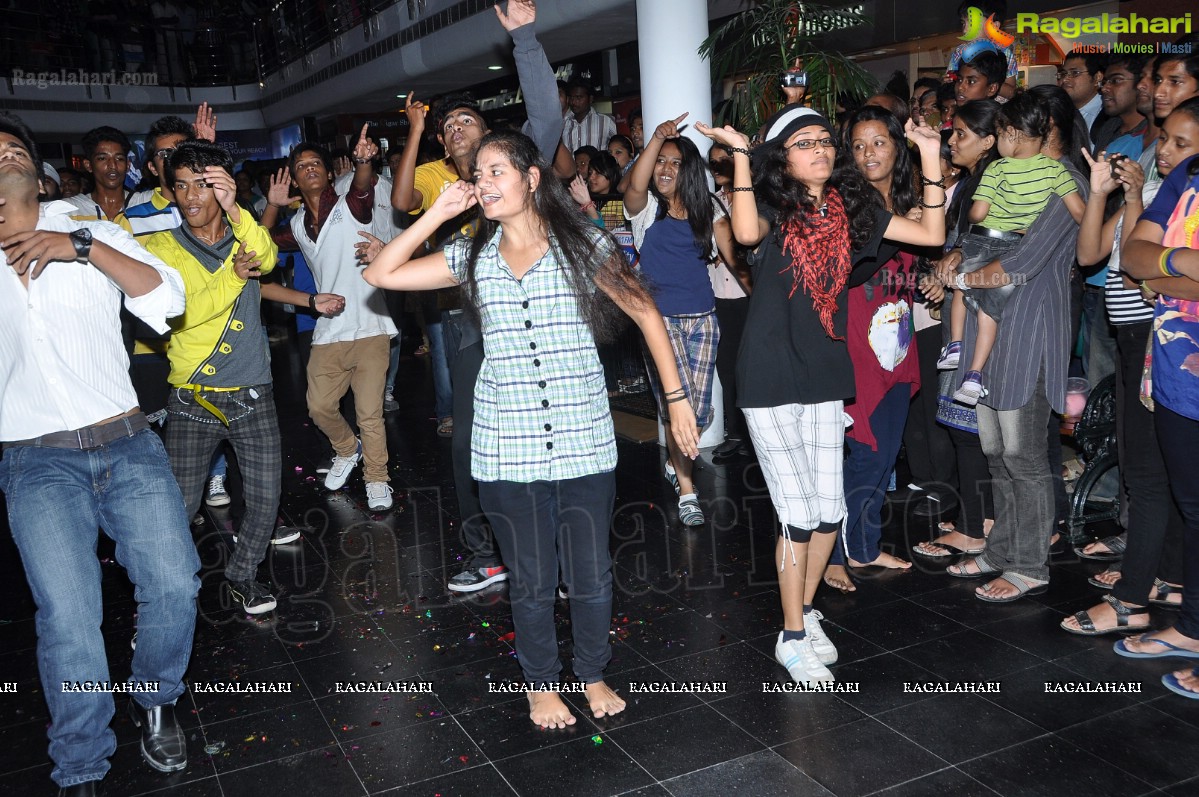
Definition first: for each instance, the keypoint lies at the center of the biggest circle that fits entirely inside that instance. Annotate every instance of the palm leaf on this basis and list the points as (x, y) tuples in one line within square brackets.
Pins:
[(765, 40)]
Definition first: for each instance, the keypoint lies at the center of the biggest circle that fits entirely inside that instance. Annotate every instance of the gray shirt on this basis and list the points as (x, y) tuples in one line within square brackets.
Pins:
[(1035, 330)]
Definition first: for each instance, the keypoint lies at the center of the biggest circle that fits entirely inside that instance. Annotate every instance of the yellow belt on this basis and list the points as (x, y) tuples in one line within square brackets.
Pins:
[(197, 390)]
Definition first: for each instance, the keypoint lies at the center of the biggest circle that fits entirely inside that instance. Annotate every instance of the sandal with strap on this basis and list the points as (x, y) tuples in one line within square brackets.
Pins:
[(1115, 546), (1086, 626), (959, 570), (1165, 590), (1170, 681), (1095, 582), (1025, 587)]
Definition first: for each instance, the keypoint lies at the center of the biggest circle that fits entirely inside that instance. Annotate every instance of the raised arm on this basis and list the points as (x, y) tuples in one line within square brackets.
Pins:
[(538, 84), (930, 230), (637, 195), (748, 227), (393, 266), (404, 196), (1095, 238)]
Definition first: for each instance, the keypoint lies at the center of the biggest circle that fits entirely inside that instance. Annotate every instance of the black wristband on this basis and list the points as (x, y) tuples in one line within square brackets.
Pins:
[(924, 204), (742, 150), (741, 188), (312, 302), (676, 398), (938, 183)]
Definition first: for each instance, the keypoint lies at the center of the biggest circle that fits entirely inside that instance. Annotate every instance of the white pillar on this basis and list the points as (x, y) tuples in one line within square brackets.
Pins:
[(675, 79)]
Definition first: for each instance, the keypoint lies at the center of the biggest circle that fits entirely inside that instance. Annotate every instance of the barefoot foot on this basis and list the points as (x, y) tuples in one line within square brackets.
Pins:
[(603, 700), (837, 577), (548, 710), (883, 560)]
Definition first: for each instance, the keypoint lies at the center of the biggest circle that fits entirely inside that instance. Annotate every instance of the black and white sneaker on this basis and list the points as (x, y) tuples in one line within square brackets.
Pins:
[(476, 578), (253, 597), (282, 535)]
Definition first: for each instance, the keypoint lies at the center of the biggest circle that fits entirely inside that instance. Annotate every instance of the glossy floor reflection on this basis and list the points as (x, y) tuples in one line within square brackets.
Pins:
[(362, 598)]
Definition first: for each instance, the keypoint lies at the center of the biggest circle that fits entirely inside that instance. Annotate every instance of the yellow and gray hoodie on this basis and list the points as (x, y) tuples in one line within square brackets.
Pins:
[(219, 341)]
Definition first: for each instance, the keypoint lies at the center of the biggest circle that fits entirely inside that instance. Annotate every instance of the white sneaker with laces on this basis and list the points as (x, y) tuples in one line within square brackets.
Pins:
[(801, 661), (378, 495), (339, 471), (217, 494), (826, 651)]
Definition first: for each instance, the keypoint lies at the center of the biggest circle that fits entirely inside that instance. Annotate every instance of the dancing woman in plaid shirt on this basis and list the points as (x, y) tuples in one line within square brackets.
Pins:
[(543, 448)]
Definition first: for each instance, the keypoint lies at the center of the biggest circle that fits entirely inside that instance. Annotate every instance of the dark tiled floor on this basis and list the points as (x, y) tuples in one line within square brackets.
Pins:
[(362, 599)]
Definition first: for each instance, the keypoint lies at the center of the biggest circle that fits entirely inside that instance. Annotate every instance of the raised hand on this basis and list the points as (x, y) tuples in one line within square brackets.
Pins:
[(416, 111), (205, 123), (279, 193), (246, 264), (922, 135), (365, 150), (457, 198), (366, 251), (670, 128), (578, 190), (341, 165), (223, 186), (1131, 175), (727, 136), (518, 14), (1102, 182)]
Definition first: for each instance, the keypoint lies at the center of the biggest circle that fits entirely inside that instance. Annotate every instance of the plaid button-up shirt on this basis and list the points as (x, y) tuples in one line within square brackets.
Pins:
[(541, 406)]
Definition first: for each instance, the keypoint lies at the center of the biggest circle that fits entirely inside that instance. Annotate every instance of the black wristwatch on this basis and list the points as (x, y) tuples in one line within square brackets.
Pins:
[(82, 240)]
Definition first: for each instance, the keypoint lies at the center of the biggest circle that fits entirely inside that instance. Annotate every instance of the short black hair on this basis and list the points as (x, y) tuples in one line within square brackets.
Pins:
[(453, 102), (166, 126), (15, 127), (579, 83), (991, 64), (94, 137), (197, 156), (925, 83), (1095, 62), (1132, 62), (308, 146), (1027, 113), (587, 150), (1191, 60)]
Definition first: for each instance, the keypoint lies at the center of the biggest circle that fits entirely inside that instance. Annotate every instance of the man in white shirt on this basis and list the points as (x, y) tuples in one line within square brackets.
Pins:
[(79, 454), (584, 125)]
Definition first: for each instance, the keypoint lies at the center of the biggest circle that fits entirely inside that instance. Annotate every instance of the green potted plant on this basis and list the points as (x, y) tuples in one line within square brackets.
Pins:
[(759, 44)]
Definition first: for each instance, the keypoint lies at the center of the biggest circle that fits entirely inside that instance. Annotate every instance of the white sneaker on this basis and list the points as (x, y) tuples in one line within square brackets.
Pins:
[(378, 495), (339, 471), (801, 661), (217, 495), (826, 651)]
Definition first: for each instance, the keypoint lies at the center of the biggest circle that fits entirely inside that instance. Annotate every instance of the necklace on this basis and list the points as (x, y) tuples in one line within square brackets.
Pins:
[(211, 241)]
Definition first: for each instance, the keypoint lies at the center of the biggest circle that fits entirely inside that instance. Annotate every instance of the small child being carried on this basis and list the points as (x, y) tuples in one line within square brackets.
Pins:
[(1009, 198)]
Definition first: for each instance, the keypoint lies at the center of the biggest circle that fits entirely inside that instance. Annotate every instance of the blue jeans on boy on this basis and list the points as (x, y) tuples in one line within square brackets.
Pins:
[(57, 498), (443, 397)]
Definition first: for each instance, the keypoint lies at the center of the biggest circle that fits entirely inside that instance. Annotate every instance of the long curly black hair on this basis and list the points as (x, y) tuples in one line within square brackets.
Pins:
[(788, 199), (905, 174), (588, 255), (692, 190)]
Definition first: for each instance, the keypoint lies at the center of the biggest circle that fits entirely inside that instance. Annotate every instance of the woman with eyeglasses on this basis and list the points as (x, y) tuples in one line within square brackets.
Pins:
[(679, 229), (793, 370)]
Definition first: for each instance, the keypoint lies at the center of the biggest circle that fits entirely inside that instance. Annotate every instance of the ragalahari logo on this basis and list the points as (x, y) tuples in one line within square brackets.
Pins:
[(983, 34)]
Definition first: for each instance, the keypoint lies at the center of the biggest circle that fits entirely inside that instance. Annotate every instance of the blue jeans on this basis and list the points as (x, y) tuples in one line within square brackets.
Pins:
[(56, 500), (867, 472), (443, 396)]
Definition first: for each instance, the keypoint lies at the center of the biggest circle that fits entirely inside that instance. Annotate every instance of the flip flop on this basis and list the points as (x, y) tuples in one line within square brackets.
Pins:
[(1086, 626), (984, 569), (1170, 681), (946, 550), (1115, 546), (1095, 582), (1170, 650), (1024, 586)]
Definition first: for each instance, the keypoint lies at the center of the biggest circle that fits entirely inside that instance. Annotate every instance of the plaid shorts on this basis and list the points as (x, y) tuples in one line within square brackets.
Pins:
[(694, 339), (801, 450)]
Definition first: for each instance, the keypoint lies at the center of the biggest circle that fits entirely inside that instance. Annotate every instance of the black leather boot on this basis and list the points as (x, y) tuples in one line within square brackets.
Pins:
[(163, 744)]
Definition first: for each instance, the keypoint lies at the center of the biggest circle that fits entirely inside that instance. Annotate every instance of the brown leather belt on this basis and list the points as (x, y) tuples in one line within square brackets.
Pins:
[(89, 437)]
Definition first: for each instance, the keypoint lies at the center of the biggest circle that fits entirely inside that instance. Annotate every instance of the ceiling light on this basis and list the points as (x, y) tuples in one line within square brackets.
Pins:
[(495, 68), (401, 96)]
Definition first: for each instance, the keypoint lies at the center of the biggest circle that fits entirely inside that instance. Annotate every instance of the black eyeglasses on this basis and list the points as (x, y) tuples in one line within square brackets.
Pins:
[(812, 143), (164, 153)]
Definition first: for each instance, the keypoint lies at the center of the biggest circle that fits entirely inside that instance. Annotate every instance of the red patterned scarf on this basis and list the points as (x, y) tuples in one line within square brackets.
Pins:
[(818, 247)]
